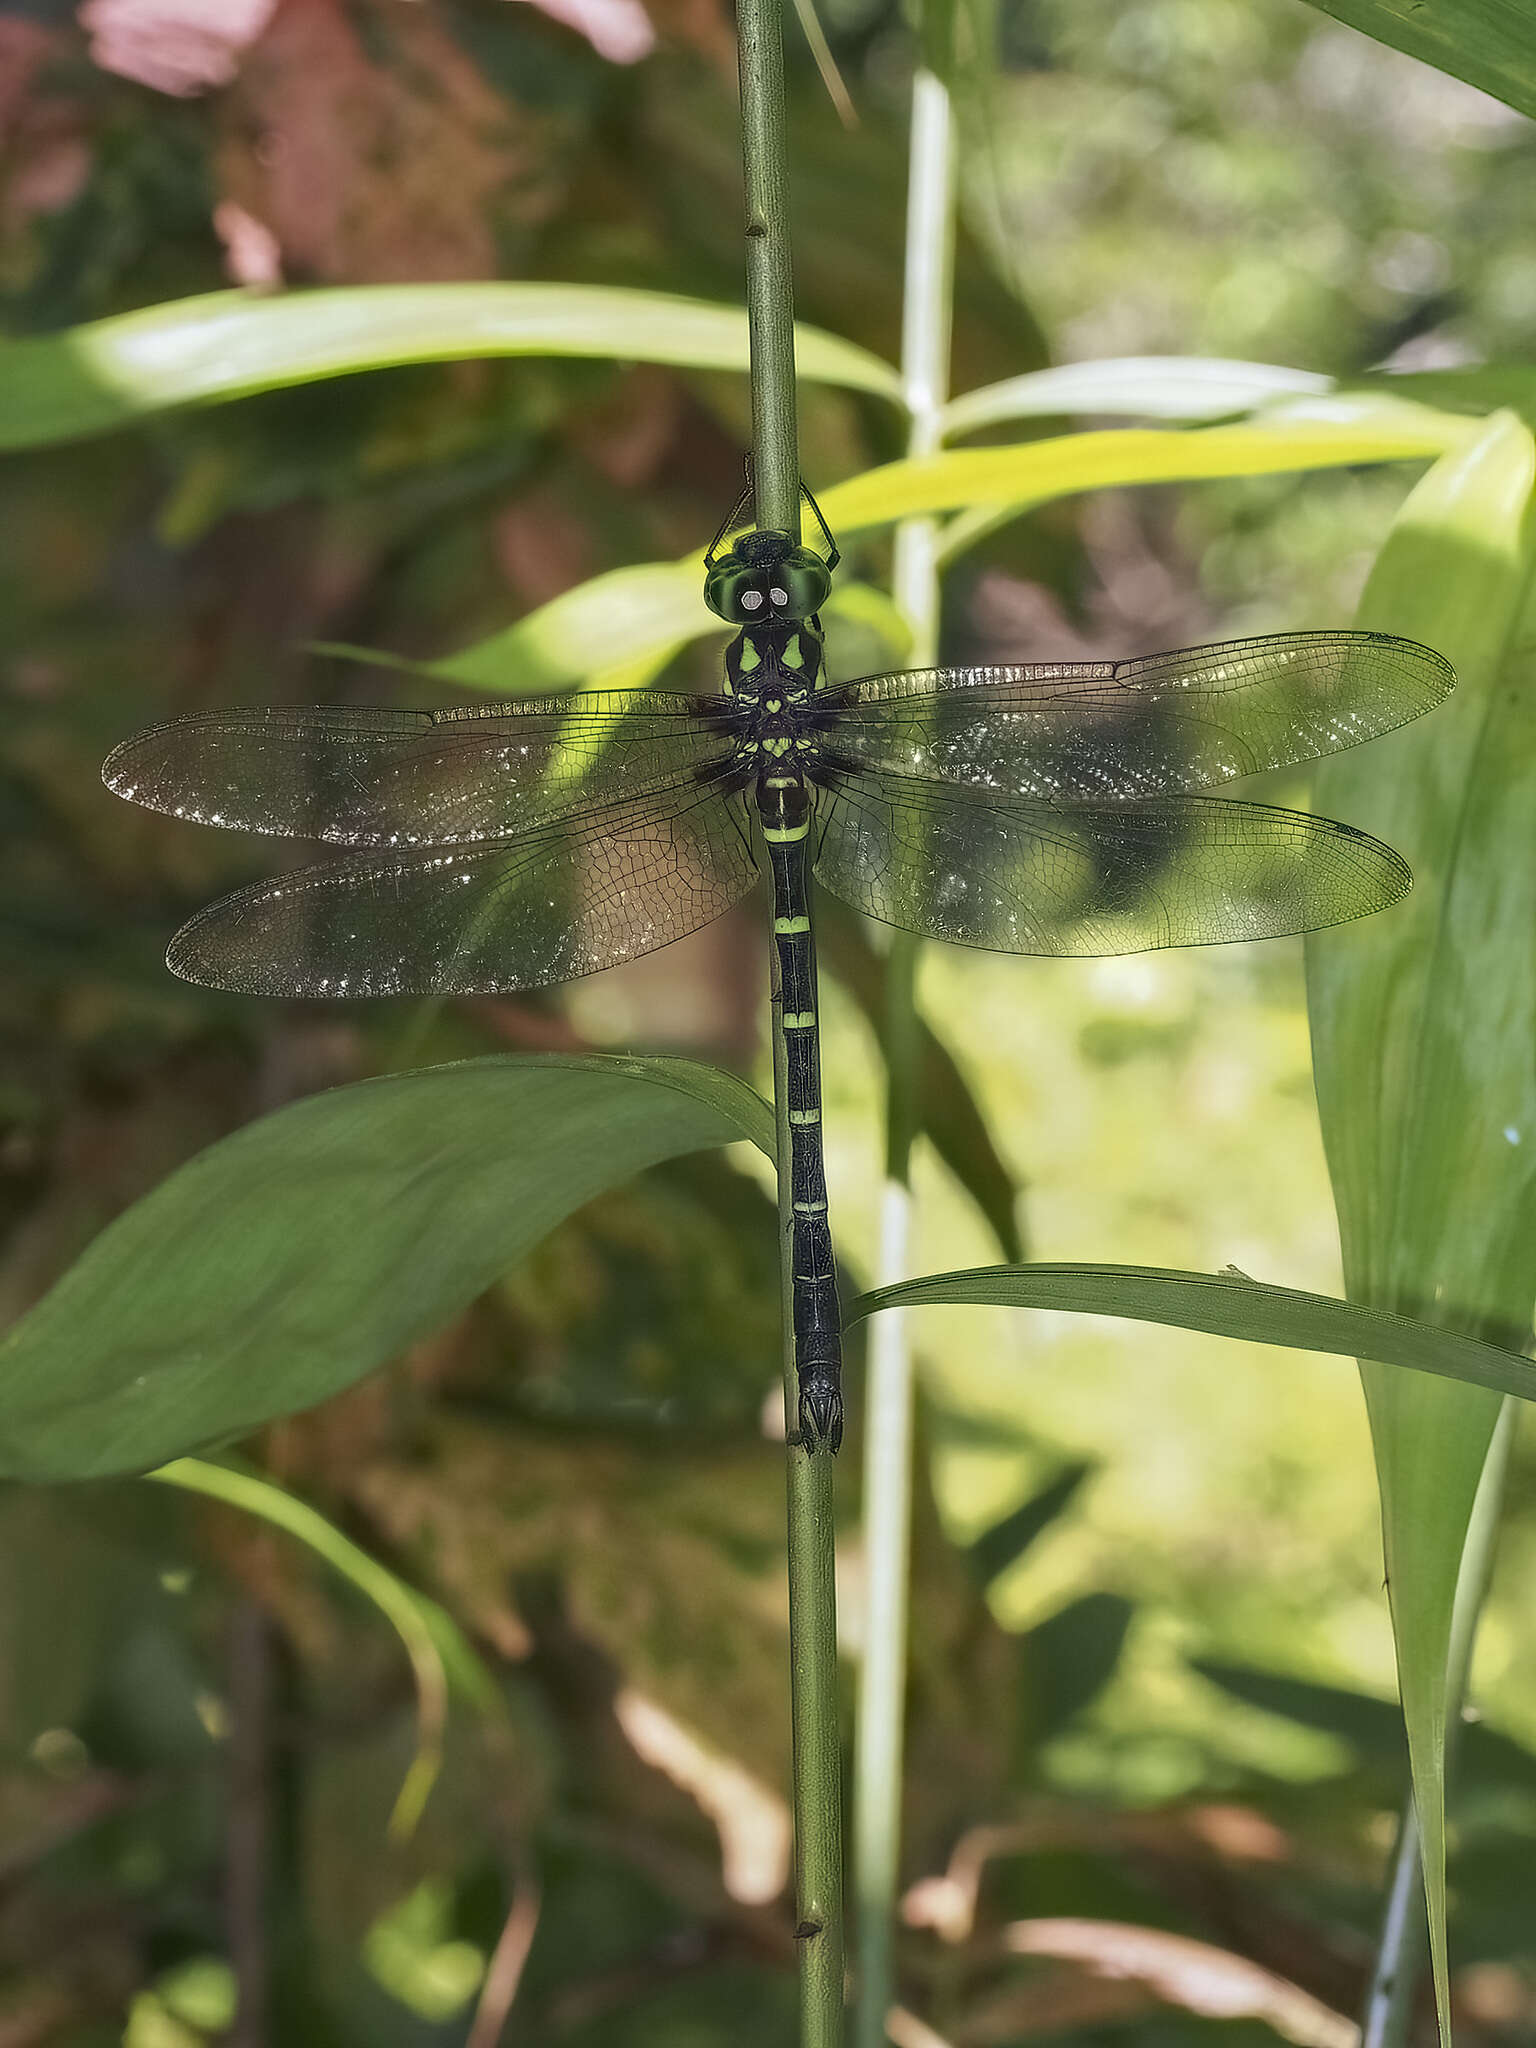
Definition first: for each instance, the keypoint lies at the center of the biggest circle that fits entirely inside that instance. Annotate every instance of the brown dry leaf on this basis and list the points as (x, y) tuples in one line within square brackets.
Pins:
[(175, 46), (383, 161), (1193, 1974)]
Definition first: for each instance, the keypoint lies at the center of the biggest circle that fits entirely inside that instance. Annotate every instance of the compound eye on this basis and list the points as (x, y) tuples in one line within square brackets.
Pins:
[(780, 597), (751, 600)]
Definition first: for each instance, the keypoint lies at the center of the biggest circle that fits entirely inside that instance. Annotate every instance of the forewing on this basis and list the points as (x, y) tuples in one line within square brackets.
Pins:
[(460, 920), (1022, 877), (359, 777), (1161, 725)]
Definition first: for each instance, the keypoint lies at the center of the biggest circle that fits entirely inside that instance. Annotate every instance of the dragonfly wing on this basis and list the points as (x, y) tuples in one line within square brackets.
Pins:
[(1093, 879), (361, 777), (1118, 732), (477, 920)]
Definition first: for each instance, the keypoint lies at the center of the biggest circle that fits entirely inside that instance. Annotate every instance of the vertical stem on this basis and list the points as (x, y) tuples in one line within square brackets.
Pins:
[(248, 1857), (770, 281), (812, 1595), (1404, 1937), (888, 1407)]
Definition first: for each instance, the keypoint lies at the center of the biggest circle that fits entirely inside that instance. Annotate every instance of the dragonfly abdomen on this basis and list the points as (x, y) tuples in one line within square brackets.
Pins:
[(784, 808)]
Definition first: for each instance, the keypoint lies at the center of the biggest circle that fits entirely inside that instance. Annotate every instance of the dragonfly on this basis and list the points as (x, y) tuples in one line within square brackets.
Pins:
[(1051, 808)]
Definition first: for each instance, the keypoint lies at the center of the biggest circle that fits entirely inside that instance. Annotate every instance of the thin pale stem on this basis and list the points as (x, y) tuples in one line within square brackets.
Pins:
[(815, 1718), (888, 1406), (1404, 1939)]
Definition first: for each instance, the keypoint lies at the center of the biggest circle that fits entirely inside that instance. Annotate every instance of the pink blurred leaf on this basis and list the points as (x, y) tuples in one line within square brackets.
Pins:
[(619, 30), (252, 254), (176, 46)]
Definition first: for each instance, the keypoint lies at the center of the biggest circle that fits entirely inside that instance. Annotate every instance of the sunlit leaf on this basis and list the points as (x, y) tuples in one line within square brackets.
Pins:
[(1150, 387), (1423, 1025), (286, 1261), (1322, 433), (1224, 1305), (92, 379), (1486, 42)]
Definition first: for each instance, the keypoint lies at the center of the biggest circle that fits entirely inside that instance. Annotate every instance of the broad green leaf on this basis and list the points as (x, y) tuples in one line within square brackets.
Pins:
[(1151, 387), (223, 345), (286, 1261), (1486, 42), (1223, 1305), (1423, 1024), (425, 1629)]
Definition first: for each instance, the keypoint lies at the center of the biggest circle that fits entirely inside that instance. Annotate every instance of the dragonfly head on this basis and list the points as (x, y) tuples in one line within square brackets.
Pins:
[(766, 579)]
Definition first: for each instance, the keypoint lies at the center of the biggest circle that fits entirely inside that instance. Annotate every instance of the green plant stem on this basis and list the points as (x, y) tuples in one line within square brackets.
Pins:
[(1404, 1939), (814, 1710), (888, 1404), (770, 280)]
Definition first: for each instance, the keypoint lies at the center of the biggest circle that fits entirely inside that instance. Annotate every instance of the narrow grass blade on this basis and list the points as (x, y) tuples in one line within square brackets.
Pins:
[(223, 345), (286, 1261), (1326, 433), (1149, 387), (440, 1657), (1223, 1305), (1422, 1028)]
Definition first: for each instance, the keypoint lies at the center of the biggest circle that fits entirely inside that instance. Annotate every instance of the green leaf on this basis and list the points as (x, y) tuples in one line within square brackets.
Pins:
[(111, 373), (286, 1261), (431, 1638), (1151, 387), (1486, 42), (1422, 1025), (1224, 1305)]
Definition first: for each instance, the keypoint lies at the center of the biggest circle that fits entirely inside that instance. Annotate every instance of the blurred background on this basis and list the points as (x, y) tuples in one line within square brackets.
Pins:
[(1151, 1662)]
